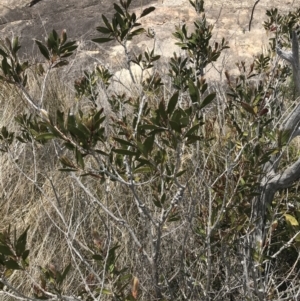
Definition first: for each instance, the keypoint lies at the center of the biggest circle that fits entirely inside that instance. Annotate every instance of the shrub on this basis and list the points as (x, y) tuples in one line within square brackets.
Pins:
[(186, 193)]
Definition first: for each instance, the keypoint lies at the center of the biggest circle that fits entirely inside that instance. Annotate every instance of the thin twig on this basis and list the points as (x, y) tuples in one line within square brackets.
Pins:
[(252, 14)]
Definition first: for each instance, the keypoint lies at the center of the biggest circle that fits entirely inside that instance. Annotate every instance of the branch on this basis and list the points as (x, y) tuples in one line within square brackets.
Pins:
[(117, 220), (287, 177), (291, 123), (252, 14), (292, 58)]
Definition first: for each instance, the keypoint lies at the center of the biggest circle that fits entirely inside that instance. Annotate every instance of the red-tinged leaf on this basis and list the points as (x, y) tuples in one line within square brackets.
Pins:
[(63, 36), (264, 111), (248, 108)]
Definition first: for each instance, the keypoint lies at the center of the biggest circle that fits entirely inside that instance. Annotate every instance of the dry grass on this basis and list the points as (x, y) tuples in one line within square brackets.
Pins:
[(66, 220)]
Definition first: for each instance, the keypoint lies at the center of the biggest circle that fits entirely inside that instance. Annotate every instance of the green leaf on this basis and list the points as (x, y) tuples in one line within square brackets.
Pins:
[(65, 272), (208, 99), (162, 110), (106, 291), (101, 152), (45, 136), (147, 11), (124, 33), (107, 23), (180, 173), (142, 170), (120, 21), (78, 133), (173, 218), (79, 158), (193, 129), (157, 203), (69, 45), (133, 18), (184, 121), (148, 144), (149, 127), (4, 132), (15, 46), (52, 41), (65, 52), (21, 242), (43, 49), (5, 250), (67, 169), (12, 264), (291, 220), (61, 63), (137, 32), (102, 40), (193, 139), (284, 137), (125, 3), (123, 142), (97, 257), (3, 53), (84, 129), (65, 161), (119, 9), (175, 126), (25, 254), (141, 148), (103, 30), (173, 102), (5, 66), (194, 92)]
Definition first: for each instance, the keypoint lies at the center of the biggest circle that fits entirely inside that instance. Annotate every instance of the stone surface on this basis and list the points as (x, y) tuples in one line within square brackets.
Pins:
[(80, 18)]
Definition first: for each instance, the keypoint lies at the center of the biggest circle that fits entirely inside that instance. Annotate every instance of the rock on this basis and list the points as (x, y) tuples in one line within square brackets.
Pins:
[(34, 19)]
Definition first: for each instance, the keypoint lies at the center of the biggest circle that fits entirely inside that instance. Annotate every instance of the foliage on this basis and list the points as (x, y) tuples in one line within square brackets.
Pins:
[(185, 172)]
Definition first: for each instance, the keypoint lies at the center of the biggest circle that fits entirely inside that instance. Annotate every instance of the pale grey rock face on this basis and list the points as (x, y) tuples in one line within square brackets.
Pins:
[(80, 19)]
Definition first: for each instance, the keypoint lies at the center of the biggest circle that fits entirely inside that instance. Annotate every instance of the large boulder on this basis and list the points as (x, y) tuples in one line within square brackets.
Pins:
[(34, 19)]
